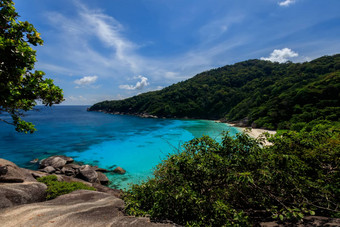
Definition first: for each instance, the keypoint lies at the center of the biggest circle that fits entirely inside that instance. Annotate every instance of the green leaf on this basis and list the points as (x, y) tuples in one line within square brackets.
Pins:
[(19, 86)]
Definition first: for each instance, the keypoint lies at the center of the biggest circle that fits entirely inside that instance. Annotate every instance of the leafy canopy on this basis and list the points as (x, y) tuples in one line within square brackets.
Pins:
[(20, 86), (238, 181), (259, 93)]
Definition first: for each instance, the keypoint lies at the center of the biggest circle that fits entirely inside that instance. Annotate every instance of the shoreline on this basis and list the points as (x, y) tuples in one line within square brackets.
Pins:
[(253, 132)]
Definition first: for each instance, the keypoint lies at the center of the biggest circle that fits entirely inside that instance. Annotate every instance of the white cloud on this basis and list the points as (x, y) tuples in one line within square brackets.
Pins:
[(215, 29), (78, 34), (171, 75), (281, 56), (139, 85), (76, 98), (121, 56), (286, 2), (108, 31), (86, 80)]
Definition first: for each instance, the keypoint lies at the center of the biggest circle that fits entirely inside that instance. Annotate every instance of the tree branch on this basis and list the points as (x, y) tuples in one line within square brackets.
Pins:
[(10, 123)]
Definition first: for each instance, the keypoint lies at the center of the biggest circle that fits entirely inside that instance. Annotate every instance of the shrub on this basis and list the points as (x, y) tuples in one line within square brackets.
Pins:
[(56, 188), (228, 183)]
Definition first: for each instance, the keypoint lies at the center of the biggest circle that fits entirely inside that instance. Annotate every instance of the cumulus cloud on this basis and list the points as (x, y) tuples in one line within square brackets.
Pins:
[(86, 80), (286, 2), (281, 56), (139, 85)]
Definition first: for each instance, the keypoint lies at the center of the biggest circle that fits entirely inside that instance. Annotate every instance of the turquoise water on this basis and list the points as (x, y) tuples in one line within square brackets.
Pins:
[(133, 143)]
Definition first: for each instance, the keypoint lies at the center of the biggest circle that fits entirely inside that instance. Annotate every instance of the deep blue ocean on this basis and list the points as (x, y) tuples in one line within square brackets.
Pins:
[(133, 143)]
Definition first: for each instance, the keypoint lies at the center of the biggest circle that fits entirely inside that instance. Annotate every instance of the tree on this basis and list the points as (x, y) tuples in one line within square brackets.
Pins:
[(239, 181), (20, 87)]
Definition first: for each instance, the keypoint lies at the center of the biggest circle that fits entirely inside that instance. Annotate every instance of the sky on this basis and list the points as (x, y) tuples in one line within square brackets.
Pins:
[(114, 49)]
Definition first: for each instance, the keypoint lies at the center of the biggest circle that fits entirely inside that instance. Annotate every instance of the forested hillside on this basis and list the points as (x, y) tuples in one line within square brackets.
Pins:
[(260, 93)]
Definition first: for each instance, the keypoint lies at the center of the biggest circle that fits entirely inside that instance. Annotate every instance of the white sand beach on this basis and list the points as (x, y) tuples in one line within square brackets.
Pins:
[(254, 132)]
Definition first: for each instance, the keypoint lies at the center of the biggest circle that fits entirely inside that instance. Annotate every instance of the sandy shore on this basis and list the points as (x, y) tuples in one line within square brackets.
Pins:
[(254, 132)]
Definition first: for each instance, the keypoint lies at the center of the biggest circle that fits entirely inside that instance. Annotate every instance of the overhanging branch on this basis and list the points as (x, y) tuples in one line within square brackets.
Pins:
[(7, 122)]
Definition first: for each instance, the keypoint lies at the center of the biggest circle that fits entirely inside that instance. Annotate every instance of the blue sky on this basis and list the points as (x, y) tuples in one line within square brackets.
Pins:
[(113, 49)]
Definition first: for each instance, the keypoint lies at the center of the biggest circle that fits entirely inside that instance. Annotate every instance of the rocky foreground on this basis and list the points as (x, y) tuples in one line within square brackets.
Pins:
[(79, 208), (23, 198)]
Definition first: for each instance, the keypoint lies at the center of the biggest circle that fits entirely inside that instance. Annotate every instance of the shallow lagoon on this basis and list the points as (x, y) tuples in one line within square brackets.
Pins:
[(133, 143)]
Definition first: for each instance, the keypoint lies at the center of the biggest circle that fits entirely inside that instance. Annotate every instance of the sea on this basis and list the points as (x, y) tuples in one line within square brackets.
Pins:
[(104, 140)]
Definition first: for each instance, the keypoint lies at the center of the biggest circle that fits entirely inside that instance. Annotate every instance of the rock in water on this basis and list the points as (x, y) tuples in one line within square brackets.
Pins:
[(57, 161), (34, 161), (119, 170), (103, 178), (96, 168)]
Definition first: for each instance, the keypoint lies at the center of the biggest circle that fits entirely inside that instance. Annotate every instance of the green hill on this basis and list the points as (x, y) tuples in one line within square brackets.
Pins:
[(256, 92)]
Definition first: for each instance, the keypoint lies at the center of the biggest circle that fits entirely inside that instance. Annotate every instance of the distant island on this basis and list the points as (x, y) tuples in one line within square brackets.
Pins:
[(255, 93)]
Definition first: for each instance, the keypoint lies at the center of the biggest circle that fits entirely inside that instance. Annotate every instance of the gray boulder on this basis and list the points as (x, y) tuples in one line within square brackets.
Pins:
[(79, 208), (68, 171), (73, 166), (87, 173), (72, 179), (67, 159), (48, 169), (13, 194), (57, 161), (101, 188), (11, 173), (103, 178), (37, 174), (18, 186)]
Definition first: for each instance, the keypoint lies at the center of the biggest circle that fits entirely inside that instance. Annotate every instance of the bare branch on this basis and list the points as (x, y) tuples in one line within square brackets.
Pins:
[(7, 122)]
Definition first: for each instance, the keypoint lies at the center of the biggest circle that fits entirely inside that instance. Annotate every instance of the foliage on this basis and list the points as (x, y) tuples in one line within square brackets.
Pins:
[(238, 181), (56, 188), (20, 87), (270, 95)]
